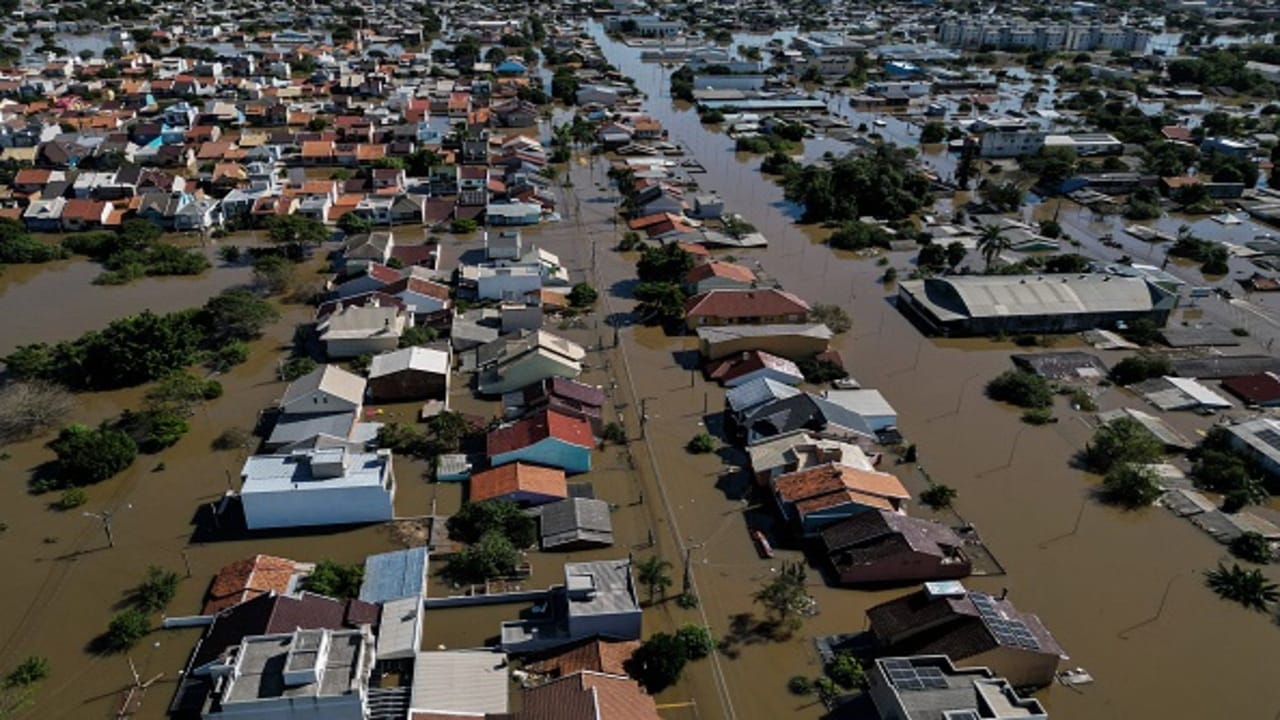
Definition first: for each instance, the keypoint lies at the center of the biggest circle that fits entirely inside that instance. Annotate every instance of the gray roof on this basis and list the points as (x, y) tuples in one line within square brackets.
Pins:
[(400, 629), (929, 687), (757, 392), (421, 359), (394, 575), (294, 473), (982, 296), (292, 428), (329, 379), (263, 660), (600, 588), (460, 681), (724, 333), (575, 520)]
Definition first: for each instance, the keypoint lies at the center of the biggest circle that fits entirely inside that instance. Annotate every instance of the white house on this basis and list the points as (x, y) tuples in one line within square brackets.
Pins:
[(354, 331), (317, 487), (511, 282), (869, 404)]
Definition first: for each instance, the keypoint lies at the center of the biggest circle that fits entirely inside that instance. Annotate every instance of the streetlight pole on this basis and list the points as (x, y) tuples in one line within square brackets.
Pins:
[(105, 518)]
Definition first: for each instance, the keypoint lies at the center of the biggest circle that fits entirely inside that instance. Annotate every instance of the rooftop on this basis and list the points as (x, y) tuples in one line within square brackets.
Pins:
[(305, 663), (313, 470), (603, 587), (979, 296)]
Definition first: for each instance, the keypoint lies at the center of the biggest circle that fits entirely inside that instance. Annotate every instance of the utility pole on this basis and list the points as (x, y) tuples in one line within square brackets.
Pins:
[(644, 415), (105, 518), (688, 571)]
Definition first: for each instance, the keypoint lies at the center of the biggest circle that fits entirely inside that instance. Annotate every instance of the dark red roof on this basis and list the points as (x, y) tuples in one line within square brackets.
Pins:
[(539, 427), (1260, 389), (766, 302)]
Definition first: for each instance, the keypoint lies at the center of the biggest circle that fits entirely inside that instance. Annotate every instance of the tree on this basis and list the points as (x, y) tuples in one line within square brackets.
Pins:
[(938, 496), (955, 254), (1066, 263), (663, 263), (1123, 440), (1021, 388), (1005, 197), (1130, 486), (991, 243), (845, 670), (857, 235), (696, 640), (463, 226), (932, 258), (834, 317), (653, 574), (883, 184), (1252, 547), (29, 672), (335, 580), (417, 335), (449, 429), (583, 295), (353, 224), (1250, 588), (493, 555), (18, 246), (701, 444), (296, 229), (1140, 367), (785, 597), (821, 370), (236, 314), (32, 407), (659, 302), (126, 629), (274, 274), (474, 520), (87, 455), (157, 589), (933, 132), (659, 661)]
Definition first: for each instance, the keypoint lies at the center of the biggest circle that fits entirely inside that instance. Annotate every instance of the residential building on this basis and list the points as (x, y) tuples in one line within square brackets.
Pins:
[(1086, 144), (521, 483), (593, 655), (563, 395), (517, 361), (799, 450), (448, 685), (794, 342), (882, 547), (373, 246), (1262, 389), (869, 404), (317, 487), (548, 438), (412, 373), (752, 364), (513, 213), (819, 496), (574, 524), (718, 275), (931, 687), (1007, 137), (246, 579), (750, 307), (991, 304), (395, 575), (1259, 439), (354, 331), (322, 406), (972, 628), (588, 695), (802, 411), (598, 599)]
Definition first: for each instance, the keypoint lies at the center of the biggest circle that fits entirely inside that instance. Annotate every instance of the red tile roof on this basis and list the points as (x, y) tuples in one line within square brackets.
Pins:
[(720, 269), (539, 427), (518, 477), (419, 286), (596, 655), (246, 579), (737, 304), (589, 696), (836, 478)]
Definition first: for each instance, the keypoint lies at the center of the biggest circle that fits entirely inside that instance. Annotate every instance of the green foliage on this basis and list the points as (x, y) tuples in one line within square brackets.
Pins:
[(881, 184), (1123, 440), (938, 496), (1211, 256), (1066, 263), (1142, 331), (1252, 547), (463, 226), (583, 295), (1021, 388), (492, 555), (785, 597), (846, 671), (296, 367), (565, 85), (833, 316), (827, 691), (630, 241), (1004, 197), (1053, 165), (654, 573), (778, 162), (991, 243), (1082, 400), (229, 355), (663, 263), (1250, 588), (682, 84), (474, 520), (449, 429), (1214, 67), (335, 580), (154, 429), (766, 144), (659, 661), (18, 246), (126, 629), (72, 498), (230, 253), (417, 335), (818, 371), (1038, 416), (660, 302), (800, 685), (181, 391), (1051, 229), (1130, 486), (88, 455), (932, 258), (296, 229), (403, 440), (29, 672), (700, 444), (1137, 368), (236, 314), (696, 640), (933, 132), (156, 590), (134, 251), (856, 235), (614, 432), (352, 224)]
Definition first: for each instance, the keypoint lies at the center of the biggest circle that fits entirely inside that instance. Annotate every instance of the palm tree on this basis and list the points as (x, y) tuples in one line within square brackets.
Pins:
[(1250, 588), (653, 574), (991, 242)]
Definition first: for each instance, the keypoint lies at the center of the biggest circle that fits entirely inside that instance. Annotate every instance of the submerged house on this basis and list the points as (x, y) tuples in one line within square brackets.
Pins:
[(317, 487), (889, 547), (819, 496), (548, 438)]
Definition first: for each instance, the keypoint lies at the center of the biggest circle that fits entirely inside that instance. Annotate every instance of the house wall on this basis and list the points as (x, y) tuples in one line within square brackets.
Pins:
[(409, 385), (295, 708), (904, 567), (507, 286), (551, 452), (1022, 668), (624, 625), (792, 347), (527, 370), (361, 346), (335, 506), (707, 320), (815, 521)]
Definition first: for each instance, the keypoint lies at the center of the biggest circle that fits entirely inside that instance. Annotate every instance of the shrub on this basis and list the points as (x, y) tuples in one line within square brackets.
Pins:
[(29, 672), (89, 455), (230, 355), (72, 498), (1140, 367), (417, 335), (1252, 547), (1130, 486), (833, 316), (156, 590), (800, 685), (659, 661), (615, 433), (493, 555), (938, 496), (295, 368), (818, 371), (335, 580), (1082, 400), (583, 295), (1038, 416), (846, 671), (474, 520), (701, 443), (126, 629), (462, 226), (1021, 388), (696, 640)]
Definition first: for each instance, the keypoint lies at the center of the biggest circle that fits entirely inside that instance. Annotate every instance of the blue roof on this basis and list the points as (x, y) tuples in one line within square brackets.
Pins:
[(395, 575), (510, 66)]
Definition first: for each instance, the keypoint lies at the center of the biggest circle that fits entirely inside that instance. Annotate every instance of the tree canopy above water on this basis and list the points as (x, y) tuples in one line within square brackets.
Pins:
[(881, 184)]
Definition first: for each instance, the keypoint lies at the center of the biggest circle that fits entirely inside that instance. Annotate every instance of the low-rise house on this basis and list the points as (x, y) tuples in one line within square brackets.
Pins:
[(521, 483), (502, 282), (503, 245), (246, 579), (574, 524), (317, 487), (751, 307), (1259, 439), (931, 687), (514, 362), (85, 214), (819, 496), (420, 295), (887, 547), (563, 395), (794, 342), (752, 364), (44, 215), (355, 331), (321, 408), (513, 213), (799, 450), (363, 278), (373, 246), (395, 575), (547, 438), (971, 628), (412, 373), (718, 275), (803, 411), (598, 599), (1262, 389), (589, 696), (868, 404), (459, 684), (594, 655)]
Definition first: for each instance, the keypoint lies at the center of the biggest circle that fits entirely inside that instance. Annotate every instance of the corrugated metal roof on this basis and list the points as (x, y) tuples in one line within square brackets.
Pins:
[(394, 575), (473, 681)]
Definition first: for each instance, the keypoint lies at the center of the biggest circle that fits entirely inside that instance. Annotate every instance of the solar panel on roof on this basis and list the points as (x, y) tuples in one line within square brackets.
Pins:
[(897, 664), (1270, 437)]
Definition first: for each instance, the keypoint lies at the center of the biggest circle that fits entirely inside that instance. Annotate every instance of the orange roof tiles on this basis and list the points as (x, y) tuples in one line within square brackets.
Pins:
[(514, 478), (246, 579)]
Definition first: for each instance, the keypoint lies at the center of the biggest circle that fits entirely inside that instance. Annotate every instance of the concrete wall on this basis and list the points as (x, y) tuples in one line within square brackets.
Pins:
[(624, 625), (300, 508), (361, 346), (1022, 668)]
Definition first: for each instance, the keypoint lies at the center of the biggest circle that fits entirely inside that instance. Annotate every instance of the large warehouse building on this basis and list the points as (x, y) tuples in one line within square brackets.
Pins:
[(992, 304)]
